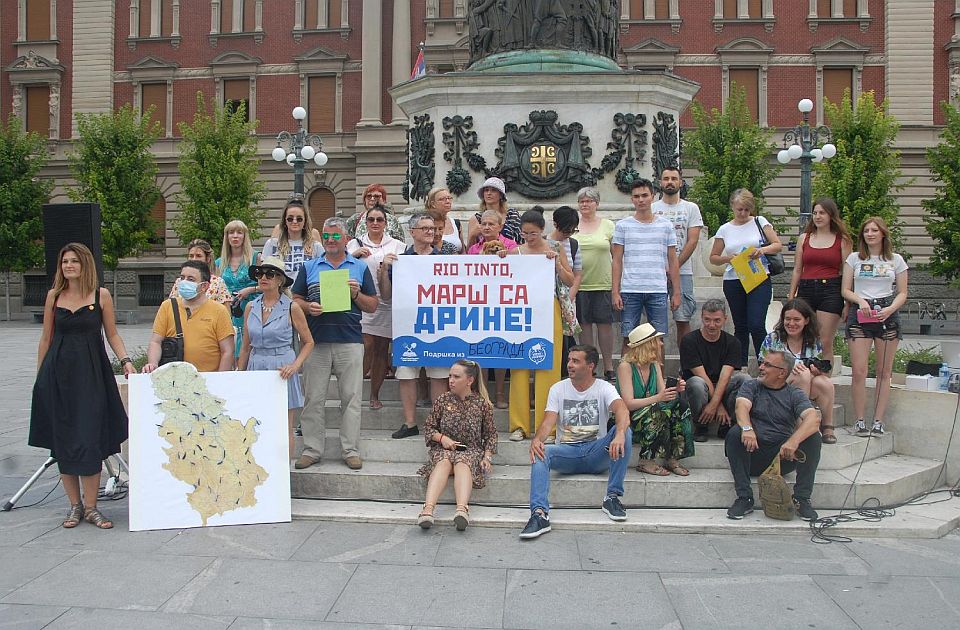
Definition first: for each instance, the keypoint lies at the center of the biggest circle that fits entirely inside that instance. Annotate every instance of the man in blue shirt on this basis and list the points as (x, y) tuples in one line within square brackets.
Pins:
[(338, 349)]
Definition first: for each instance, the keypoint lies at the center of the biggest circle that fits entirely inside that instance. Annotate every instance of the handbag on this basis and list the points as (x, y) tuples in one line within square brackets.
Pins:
[(236, 308), (775, 264), (171, 348), (776, 497), (568, 310)]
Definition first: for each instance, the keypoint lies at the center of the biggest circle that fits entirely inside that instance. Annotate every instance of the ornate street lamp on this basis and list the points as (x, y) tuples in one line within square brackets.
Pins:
[(801, 143), (301, 148)]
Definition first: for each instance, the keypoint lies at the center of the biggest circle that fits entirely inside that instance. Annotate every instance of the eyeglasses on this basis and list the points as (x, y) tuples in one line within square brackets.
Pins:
[(373, 196), (425, 229), (269, 274), (336, 236), (444, 198), (293, 219), (376, 220), (767, 364)]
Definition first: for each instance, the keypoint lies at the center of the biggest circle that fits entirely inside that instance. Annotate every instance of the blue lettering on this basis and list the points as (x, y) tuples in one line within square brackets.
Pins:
[(424, 322), (446, 315), (512, 316)]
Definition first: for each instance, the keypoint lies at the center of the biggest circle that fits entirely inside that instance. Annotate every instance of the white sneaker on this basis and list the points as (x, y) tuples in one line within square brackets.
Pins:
[(517, 435)]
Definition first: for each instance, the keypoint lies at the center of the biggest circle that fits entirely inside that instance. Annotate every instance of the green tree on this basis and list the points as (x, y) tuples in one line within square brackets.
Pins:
[(113, 166), (863, 175), (730, 151), (943, 211), (22, 195), (218, 174)]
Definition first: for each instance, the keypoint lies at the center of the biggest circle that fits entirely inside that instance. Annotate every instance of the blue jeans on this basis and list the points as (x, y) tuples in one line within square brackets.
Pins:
[(634, 304), (586, 458), (749, 313)]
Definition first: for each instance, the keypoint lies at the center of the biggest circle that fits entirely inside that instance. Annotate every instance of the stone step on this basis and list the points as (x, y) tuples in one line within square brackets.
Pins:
[(889, 479), (377, 445)]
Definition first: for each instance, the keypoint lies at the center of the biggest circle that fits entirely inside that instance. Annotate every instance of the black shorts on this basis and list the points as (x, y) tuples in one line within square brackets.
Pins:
[(887, 330), (594, 307), (822, 295)]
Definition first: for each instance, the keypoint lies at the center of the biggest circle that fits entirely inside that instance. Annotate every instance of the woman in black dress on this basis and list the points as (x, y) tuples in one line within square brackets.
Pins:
[(77, 412)]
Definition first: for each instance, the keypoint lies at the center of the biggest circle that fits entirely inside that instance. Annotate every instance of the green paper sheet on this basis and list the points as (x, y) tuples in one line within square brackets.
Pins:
[(334, 291)]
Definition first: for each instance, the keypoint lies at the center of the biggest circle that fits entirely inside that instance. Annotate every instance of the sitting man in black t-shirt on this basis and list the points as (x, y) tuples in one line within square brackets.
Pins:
[(774, 419), (710, 364)]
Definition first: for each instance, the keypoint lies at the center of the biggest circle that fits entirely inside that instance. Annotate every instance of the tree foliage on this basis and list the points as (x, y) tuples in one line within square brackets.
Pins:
[(218, 174), (113, 166), (943, 211), (730, 151), (22, 195), (864, 174)]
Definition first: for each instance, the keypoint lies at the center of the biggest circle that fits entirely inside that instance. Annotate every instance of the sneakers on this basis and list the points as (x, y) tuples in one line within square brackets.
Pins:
[(804, 510), (700, 433), (740, 508), (861, 428), (538, 525), (877, 429), (614, 509), (517, 436), (404, 432)]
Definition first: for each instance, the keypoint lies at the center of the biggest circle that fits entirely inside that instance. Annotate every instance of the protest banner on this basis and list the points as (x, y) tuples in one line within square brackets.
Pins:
[(496, 311)]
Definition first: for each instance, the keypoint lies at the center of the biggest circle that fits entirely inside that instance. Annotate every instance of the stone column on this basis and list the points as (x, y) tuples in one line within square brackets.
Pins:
[(401, 52), (371, 52)]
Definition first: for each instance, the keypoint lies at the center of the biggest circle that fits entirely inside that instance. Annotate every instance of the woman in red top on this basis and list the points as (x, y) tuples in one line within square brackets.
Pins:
[(818, 267)]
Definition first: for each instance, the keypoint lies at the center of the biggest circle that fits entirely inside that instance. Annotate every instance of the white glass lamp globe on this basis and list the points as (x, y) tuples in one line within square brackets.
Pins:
[(291, 158), (795, 151), (320, 159), (299, 113), (829, 150), (783, 156), (307, 152), (817, 155), (279, 154), (805, 106)]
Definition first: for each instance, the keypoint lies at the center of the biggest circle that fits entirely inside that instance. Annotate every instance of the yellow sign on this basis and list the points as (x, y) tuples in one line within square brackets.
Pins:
[(543, 161), (750, 271)]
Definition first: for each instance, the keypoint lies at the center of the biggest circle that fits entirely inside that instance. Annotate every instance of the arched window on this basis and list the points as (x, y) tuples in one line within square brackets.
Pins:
[(322, 204), (159, 214)]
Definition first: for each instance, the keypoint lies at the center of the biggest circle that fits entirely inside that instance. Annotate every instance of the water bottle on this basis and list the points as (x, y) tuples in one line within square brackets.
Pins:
[(944, 377)]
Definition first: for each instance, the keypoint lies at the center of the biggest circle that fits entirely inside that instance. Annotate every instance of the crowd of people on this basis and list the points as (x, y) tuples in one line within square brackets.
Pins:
[(263, 311)]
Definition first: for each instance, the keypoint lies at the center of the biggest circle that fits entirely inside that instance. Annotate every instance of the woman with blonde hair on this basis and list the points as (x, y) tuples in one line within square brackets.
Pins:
[(297, 241), (661, 426), (199, 249), (438, 204), (77, 413), (236, 256)]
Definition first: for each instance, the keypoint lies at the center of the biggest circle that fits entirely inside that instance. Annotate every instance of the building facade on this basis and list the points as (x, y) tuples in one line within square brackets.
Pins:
[(338, 59)]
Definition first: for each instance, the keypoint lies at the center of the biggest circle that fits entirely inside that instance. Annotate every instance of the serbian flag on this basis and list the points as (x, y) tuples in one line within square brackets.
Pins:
[(419, 67)]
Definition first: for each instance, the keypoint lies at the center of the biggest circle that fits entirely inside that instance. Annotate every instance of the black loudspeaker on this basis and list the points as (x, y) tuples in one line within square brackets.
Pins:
[(71, 223)]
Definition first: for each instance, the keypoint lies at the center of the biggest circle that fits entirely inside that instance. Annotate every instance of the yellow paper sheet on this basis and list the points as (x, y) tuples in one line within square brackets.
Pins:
[(334, 291), (750, 271)]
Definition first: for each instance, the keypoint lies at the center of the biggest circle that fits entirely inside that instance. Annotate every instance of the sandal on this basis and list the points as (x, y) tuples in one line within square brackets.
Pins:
[(653, 468), (462, 517), (74, 516), (375, 404), (827, 438), (96, 517), (677, 469), (425, 518), (502, 404)]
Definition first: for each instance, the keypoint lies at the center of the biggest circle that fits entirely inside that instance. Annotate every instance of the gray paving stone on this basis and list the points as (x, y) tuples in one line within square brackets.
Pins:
[(600, 551), (20, 526), (247, 623), (84, 618), (887, 556), (262, 588), (781, 601), (25, 617), (86, 537), (752, 555), (273, 541), (587, 599), (440, 596), (22, 565), (366, 542), (900, 602), (98, 579), (503, 549)]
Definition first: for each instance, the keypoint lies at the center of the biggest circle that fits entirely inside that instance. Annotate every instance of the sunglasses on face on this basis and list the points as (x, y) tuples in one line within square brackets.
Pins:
[(336, 236), (373, 196), (376, 220), (269, 274), (295, 219)]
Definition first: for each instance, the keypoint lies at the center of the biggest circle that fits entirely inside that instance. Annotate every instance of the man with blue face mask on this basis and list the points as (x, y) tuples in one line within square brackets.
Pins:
[(207, 330)]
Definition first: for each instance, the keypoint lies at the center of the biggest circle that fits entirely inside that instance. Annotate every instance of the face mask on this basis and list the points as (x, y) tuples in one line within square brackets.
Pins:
[(187, 289)]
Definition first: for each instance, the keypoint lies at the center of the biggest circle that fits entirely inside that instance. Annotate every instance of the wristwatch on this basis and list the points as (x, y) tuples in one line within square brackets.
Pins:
[(745, 429)]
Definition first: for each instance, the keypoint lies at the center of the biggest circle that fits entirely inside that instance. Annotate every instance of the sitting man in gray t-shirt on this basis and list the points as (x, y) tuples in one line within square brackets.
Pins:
[(773, 419)]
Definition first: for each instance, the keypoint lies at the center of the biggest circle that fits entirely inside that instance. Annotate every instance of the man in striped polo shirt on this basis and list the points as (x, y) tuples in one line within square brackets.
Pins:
[(644, 253)]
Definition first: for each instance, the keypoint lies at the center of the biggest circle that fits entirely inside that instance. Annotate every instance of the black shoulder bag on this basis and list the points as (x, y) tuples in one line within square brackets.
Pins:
[(171, 348), (774, 261)]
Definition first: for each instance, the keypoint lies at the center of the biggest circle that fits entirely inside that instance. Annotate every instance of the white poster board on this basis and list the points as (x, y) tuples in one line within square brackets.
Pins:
[(207, 448), (495, 311)]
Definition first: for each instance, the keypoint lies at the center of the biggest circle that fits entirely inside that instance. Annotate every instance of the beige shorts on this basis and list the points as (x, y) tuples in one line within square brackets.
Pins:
[(407, 372)]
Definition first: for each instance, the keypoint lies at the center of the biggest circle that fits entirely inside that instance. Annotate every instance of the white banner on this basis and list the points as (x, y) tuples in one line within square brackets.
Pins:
[(496, 311), (208, 448)]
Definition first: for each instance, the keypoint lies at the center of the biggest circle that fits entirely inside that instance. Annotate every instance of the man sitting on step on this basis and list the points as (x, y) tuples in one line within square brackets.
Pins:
[(710, 364), (579, 407), (774, 419)]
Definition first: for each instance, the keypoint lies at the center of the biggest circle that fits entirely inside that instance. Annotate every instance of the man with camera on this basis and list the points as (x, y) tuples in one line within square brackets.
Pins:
[(208, 341)]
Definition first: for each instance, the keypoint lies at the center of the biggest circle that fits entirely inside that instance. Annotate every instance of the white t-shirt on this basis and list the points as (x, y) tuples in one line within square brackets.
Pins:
[(737, 238), (874, 277), (581, 416), (294, 258), (644, 253), (683, 216)]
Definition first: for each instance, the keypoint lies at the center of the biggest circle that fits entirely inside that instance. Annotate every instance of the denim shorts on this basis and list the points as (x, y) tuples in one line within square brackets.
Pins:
[(888, 330), (688, 304), (634, 304), (822, 294)]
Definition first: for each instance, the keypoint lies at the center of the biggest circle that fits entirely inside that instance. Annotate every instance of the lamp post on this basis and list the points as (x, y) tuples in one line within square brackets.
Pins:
[(301, 148), (803, 141)]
